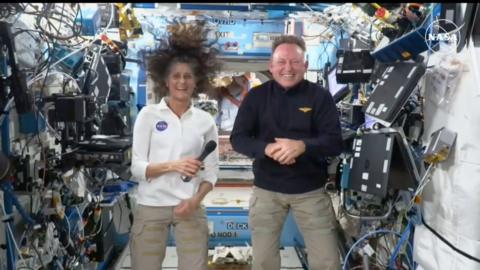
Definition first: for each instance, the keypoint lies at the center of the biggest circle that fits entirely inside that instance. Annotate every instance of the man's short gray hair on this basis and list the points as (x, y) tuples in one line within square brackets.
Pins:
[(289, 39)]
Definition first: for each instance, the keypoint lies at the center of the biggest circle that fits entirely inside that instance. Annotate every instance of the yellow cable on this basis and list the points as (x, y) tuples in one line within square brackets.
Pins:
[(376, 6)]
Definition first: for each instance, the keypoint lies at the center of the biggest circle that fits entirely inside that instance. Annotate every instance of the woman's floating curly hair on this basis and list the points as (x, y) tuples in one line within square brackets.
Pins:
[(186, 43)]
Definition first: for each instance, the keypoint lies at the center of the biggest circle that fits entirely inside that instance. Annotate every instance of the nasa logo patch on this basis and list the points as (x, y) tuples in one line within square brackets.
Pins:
[(161, 125)]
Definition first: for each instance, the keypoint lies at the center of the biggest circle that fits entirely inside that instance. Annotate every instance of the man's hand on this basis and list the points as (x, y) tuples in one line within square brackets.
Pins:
[(289, 150), (187, 166), (186, 208), (271, 149)]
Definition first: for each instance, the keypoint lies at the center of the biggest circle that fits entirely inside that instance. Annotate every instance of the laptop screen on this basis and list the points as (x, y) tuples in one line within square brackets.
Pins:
[(337, 90)]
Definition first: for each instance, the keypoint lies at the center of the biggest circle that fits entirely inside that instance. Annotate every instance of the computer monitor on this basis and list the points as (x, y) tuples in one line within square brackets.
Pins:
[(97, 81), (337, 90), (369, 121), (382, 160)]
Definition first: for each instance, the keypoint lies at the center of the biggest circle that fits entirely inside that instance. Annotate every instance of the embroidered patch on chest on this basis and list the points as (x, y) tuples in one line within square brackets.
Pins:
[(305, 109), (161, 125)]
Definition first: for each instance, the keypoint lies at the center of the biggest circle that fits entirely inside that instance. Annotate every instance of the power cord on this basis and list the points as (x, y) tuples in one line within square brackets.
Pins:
[(345, 261), (450, 244)]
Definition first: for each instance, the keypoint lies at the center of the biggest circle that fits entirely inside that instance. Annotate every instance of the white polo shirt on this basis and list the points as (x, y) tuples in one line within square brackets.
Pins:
[(160, 136)]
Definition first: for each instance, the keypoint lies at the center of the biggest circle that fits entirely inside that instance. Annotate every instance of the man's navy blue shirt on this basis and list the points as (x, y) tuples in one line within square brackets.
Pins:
[(304, 112)]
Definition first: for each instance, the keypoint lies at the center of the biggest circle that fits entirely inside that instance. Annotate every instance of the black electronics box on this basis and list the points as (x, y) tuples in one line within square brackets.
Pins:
[(355, 66), (392, 91), (70, 109), (114, 62), (382, 161), (105, 150), (94, 158), (120, 88), (108, 143), (355, 116)]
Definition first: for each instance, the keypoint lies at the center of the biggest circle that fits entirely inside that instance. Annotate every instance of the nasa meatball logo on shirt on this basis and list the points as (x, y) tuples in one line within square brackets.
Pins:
[(161, 125)]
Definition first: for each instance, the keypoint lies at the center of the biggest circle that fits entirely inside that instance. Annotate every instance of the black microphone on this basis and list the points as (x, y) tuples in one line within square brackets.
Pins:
[(209, 147)]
